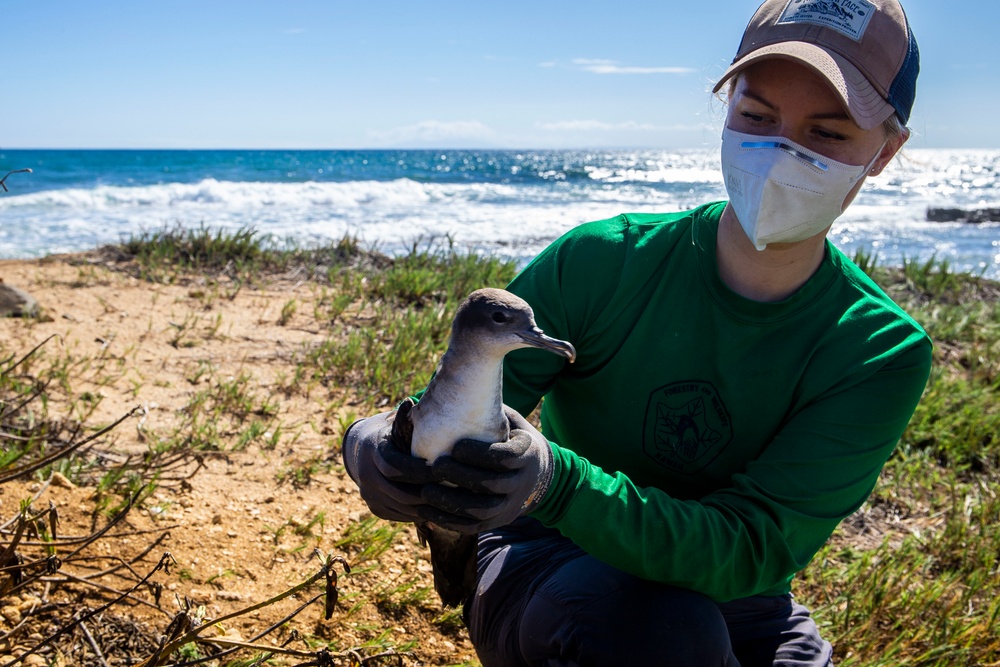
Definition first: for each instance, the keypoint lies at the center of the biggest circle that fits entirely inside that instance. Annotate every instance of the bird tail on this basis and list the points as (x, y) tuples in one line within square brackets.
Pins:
[(453, 561)]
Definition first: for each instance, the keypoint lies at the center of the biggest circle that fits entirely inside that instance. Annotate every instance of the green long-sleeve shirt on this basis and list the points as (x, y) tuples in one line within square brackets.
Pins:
[(703, 439)]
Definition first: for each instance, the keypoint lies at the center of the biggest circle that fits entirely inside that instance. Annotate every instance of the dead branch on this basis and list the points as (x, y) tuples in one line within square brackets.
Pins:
[(164, 564), (194, 634), (49, 458), (93, 644), (3, 180)]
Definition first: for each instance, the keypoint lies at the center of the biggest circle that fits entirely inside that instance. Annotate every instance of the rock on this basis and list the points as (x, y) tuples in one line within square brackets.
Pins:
[(978, 215), (29, 603), (60, 480), (945, 214), (199, 596), (12, 614), (16, 302), (985, 215)]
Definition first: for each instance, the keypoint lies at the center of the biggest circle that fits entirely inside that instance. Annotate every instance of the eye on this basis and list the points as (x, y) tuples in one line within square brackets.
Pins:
[(499, 317), (827, 134), (754, 117)]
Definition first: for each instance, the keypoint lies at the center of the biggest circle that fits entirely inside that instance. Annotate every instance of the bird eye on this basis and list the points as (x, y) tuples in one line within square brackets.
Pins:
[(499, 317)]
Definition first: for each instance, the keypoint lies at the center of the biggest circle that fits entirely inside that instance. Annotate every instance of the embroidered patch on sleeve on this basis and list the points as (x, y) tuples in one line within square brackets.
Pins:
[(849, 17)]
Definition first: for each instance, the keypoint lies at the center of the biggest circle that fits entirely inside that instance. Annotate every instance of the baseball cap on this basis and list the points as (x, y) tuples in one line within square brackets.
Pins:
[(863, 48)]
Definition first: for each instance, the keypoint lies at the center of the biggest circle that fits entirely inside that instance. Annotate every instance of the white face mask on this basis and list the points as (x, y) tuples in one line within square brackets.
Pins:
[(782, 192)]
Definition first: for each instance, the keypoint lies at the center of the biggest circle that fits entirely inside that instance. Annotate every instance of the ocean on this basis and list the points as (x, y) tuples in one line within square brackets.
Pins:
[(502, 202)]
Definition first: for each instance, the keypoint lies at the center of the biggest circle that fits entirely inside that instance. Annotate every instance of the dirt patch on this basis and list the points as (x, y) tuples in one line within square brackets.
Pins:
[(246, 526)]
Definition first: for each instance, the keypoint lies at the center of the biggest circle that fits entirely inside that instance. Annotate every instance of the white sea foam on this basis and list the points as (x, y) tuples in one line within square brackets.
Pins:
[(513, 217), (376, 211)]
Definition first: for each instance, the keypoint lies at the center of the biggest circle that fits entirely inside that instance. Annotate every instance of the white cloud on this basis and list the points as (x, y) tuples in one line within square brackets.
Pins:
[(436, 133), (612, 67), (598, 126)]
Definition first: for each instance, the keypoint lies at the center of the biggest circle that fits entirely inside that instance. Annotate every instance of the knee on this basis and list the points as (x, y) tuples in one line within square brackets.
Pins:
[(637, 622), (694, 632), (674, 626)]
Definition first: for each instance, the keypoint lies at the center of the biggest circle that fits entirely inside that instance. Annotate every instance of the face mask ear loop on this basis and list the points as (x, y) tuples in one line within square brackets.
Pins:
[(870, 169)]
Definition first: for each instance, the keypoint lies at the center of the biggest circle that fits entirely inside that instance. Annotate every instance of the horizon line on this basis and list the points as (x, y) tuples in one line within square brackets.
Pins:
[(424, 148)]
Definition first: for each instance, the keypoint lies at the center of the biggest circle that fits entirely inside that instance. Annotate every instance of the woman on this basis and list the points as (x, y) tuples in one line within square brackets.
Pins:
[(739, 385)]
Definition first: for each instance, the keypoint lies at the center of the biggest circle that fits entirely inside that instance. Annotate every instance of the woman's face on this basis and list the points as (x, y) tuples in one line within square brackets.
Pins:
[(783, 98)]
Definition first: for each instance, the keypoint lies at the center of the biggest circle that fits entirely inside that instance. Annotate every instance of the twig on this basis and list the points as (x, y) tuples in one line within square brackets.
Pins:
[(50, 565), (34, 349), (9, 552), (118, 517), (164, 564), (71, 540), (121, 596), (318, 658), (28, 398), (324, 657), (31, 502), (157, 658), (222, 641), (122, 562), (111, 524), (16, 171), (14, 630), (278, 624), (44, 461), (93, 644), (256, 637)]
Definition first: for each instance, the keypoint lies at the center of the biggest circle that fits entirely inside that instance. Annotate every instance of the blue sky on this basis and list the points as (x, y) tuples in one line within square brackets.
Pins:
[(469, 73)]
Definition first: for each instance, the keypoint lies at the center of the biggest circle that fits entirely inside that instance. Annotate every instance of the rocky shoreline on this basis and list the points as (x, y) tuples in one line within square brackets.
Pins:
[(974, 216)]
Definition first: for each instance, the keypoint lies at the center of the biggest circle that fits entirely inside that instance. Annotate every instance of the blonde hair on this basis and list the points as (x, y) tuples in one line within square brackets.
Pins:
[(893, 126)]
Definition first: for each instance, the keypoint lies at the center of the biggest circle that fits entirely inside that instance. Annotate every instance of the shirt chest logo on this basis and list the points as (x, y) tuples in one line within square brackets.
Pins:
[(686, 427)]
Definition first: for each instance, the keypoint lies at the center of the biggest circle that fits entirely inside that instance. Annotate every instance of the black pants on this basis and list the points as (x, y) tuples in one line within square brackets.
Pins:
[(543, 601)]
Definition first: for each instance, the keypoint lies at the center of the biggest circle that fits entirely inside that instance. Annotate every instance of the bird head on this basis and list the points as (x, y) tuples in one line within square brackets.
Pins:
[(498, 321)]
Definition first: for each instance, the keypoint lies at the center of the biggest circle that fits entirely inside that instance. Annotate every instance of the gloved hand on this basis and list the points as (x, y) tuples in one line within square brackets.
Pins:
[(493, 483), (390, 479)]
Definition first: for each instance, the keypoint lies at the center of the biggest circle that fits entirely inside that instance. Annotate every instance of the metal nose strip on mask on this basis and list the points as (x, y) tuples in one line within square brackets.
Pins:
[(788, 149)]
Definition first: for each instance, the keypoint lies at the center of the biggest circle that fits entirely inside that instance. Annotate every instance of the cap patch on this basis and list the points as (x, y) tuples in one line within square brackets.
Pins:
[(849, 17)]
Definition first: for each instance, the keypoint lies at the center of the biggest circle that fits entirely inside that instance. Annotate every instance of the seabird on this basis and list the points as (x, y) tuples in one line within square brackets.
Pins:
[(464, 399)]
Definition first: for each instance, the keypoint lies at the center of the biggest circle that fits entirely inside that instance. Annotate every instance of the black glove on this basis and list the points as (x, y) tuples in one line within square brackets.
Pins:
[(390, 480), (493, 484)]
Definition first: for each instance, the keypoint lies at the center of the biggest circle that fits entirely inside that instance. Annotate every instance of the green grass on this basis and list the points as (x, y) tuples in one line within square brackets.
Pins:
[(926, 592), (161, 254), (170, 253), (366, 540), (405, 310)]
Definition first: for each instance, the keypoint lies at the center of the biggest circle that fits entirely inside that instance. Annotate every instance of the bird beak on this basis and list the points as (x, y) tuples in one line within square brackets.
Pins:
[(535, 337)]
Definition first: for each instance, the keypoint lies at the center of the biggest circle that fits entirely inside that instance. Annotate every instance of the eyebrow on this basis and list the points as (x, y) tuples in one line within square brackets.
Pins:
[(832, 115)]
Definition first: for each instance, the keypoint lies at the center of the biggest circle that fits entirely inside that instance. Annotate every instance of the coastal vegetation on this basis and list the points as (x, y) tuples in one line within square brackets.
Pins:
[(910, 579)]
